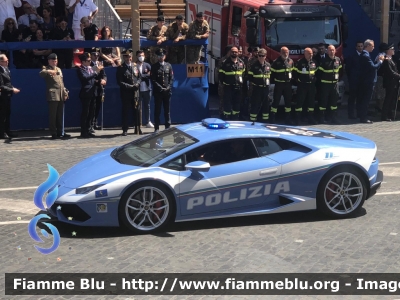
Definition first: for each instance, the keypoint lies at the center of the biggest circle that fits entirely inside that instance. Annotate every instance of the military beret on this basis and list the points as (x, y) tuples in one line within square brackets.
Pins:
[(52, 56), (160, 19), (179, 17), (84, 56), (127, 52), (199, 15), (160, 52)]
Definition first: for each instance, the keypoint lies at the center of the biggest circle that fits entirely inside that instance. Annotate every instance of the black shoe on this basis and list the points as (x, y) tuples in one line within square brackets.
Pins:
[(97, 127), (124, 133), (84, 135), (140, 132), (90, 134), (366, 121), (64, 136), (12, 135), (91, 130), (387, 120), (54, 136), (4, 136)]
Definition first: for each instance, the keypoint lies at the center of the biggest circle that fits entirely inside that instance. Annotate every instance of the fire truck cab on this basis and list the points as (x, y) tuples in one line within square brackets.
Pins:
[(296, 24)]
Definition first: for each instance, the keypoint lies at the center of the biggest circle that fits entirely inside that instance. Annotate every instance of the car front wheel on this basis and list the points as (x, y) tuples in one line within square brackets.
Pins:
[(341, 193), (146, 207)]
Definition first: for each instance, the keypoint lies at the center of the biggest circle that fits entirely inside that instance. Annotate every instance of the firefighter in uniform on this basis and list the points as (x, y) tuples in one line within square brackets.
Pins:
[(177, 32), (259, 77), (231, 76), (128, 79), (162, 77), (281, 69), (329, 72), (198, 29), (305, 71), (157, 33), (249, 63), (220, 85)]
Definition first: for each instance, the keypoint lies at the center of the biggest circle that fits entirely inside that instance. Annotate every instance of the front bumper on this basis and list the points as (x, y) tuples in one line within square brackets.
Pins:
[(101, 212), (376, 185)]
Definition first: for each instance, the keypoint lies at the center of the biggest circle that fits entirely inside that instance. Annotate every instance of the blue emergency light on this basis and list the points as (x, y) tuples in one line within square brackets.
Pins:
[(214, 123)]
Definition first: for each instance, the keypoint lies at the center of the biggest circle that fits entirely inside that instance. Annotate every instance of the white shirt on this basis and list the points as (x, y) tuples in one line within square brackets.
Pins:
[(83, 9), (7, 9), (24, 19), (143, 84)]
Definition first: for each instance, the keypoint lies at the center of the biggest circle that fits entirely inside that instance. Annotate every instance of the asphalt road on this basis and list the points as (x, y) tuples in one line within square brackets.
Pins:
[(294, 242)]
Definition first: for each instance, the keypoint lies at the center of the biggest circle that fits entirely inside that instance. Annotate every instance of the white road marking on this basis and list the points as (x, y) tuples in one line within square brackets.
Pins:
[(14, 222), (388, 193), (19, 188)]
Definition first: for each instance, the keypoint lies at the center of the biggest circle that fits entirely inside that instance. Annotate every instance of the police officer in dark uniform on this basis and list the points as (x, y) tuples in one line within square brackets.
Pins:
[(329, 72), (282, 68), (305, 71), (259, 78), (162, 77), (231, 76), (87, 76), (391, 78), (128, 78), (100, 83)]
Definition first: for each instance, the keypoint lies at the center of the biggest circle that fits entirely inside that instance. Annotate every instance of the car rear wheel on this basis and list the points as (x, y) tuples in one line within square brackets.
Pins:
[(146, 207), (341, 193)]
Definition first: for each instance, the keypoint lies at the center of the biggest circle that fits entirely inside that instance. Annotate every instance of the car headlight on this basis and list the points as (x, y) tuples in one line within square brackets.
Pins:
[(87, 189)]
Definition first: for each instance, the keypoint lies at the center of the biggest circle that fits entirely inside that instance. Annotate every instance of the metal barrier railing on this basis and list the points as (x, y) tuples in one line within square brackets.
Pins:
[(108, 16)]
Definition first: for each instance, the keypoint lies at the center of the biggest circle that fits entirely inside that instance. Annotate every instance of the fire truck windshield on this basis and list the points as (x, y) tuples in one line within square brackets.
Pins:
[(302, 32)]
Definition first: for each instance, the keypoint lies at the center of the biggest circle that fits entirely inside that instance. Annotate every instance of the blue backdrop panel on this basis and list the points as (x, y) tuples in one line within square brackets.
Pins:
[(189, 101), (361, 26), (30, 110)]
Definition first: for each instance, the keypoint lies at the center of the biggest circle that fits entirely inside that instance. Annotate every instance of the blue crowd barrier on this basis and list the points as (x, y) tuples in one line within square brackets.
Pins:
[(189, 101)]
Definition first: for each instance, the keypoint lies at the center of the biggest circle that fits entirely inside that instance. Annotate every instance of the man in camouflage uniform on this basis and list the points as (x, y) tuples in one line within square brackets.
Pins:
[(220, 85), (157, 33), (198, 29), (177, 32)]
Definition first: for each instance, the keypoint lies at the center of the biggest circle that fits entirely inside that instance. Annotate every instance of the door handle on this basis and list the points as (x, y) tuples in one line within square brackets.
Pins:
[(269, 171)]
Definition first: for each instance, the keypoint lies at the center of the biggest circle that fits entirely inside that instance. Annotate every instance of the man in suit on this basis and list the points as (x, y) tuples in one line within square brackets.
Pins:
[(391, 79), (321, 54), (162, 77), (128, 78), (100, 84), (87, 76), (145, 86), (6, 92), (353, 74), (368, 78), (56, 94)]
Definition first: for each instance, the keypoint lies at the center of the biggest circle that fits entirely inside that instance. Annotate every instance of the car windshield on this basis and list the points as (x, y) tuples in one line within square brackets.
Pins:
[(302, 31), (153, 148)]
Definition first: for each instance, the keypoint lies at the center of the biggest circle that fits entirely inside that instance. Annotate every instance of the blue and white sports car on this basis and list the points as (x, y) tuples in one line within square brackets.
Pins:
[(215, 169)]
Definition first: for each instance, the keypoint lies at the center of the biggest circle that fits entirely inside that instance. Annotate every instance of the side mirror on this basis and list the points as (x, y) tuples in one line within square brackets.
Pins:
[(198, 166)]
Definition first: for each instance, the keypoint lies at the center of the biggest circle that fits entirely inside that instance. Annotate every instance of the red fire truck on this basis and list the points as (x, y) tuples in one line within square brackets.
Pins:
[(296, 24)]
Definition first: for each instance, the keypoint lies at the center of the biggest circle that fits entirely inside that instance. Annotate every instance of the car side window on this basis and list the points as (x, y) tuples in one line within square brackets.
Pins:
[(266, 146), (177, 164), (223, 152)]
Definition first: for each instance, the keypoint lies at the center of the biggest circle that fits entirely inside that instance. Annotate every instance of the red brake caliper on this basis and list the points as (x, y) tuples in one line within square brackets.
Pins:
[(159, 211)]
